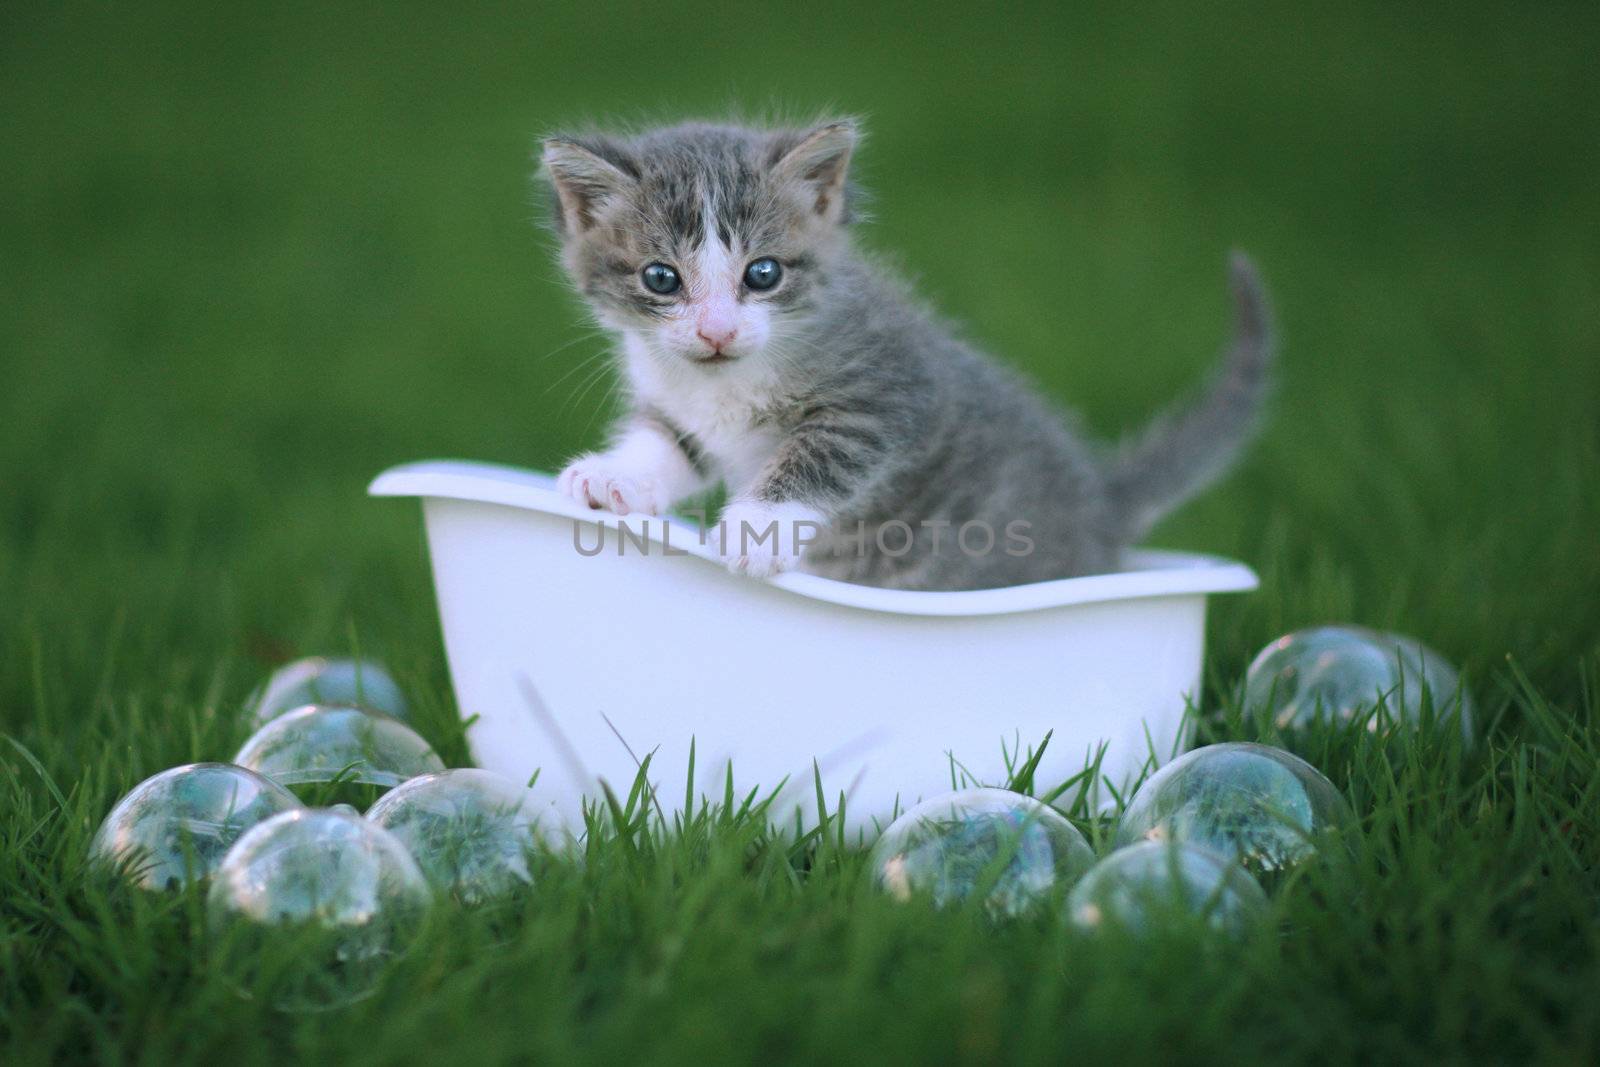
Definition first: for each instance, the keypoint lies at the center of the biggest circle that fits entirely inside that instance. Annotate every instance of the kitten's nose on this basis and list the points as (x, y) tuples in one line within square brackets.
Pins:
[(717, 336)]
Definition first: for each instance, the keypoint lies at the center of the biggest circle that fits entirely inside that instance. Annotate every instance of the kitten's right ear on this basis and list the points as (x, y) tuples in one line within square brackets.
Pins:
[(583, 179)]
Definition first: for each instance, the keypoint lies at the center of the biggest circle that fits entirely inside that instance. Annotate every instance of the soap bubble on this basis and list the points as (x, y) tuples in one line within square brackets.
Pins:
[(470, 831), (174, 828), (1339, 672), (355, 683), (325, 744), (310, 908), (1155, 884), (1260, 805), (1009, 847)]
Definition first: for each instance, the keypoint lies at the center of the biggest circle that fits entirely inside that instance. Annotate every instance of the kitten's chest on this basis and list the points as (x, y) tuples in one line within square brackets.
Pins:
[(726, 411), (737, 454)]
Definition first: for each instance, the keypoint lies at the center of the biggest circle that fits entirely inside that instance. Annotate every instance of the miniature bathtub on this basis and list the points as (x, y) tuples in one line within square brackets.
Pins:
[(578, 663)]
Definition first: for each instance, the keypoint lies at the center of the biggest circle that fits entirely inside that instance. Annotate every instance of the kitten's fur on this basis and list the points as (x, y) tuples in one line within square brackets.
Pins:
[(835, 398)]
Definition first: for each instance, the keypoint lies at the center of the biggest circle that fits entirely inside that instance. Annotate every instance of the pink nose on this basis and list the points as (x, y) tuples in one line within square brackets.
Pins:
[(717, 337)]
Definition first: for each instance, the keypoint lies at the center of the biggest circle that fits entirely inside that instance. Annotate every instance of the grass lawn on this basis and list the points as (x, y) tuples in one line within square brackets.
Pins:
[(247, 260)]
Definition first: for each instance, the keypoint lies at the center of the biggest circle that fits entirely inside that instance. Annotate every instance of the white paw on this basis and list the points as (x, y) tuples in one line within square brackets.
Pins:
[(595, 481), (760, 565), (761, 540)]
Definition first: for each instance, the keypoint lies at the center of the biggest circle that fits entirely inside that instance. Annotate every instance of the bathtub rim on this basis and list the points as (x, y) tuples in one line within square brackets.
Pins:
[(1152, 573)]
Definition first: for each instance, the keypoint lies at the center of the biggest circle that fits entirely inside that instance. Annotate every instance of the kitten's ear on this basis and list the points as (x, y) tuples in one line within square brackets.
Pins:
[(820, 161), (583, 178)]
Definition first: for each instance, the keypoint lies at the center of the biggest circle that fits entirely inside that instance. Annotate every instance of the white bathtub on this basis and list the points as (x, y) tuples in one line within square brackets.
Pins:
[(577, 664)]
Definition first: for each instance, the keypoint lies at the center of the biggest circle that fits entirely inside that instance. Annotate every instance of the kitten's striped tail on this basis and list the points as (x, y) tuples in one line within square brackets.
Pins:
[(1185, 450)]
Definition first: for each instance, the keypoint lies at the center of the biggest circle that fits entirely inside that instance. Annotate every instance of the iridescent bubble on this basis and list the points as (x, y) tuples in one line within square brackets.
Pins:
[(174, 828), (471, 831), (1261, 805), (1155, 885), (310, 908), (1009, 849), (1339, 672), (325, 744), (355, 683)]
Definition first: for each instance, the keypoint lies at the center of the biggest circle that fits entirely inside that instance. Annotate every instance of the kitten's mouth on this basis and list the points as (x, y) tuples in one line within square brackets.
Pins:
[(714, 358)]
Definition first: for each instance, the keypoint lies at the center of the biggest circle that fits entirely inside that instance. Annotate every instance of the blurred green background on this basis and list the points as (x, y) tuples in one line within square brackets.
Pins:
[(250, 258)]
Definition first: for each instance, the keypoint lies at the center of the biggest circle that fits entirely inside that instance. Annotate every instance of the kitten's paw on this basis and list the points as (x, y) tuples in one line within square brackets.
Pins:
[(596, 482), (759, 563), (761, 540)]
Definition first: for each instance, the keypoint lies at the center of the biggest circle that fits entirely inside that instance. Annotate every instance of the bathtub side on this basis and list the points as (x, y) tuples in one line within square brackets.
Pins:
[(579, 664), (1146, 573)]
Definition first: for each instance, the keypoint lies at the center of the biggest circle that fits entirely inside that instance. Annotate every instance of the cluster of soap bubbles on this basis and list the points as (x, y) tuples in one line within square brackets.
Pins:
[(1202, 836), (308, 907), (1192, 843)]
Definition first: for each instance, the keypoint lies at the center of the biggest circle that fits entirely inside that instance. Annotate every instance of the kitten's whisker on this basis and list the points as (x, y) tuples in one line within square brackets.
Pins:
[(585, 335), (592, 370), (589, 384), (587, 363), (606, 400)]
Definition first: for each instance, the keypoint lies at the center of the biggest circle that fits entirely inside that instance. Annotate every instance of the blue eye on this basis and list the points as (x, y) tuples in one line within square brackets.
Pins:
[(763, 273), (660, 278)]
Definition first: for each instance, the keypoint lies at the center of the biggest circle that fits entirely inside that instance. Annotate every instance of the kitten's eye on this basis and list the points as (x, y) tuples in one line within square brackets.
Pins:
[(763, 273), (660, 278)]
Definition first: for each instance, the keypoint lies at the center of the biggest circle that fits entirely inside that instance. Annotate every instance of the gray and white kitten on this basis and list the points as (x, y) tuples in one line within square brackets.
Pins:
[(762, 349)]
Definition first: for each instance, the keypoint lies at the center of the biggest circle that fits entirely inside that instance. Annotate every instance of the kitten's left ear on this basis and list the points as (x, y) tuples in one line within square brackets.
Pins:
[(820, 162)]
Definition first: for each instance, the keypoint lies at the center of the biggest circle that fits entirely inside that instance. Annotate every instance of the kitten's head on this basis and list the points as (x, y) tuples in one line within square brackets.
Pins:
[(709, 242)]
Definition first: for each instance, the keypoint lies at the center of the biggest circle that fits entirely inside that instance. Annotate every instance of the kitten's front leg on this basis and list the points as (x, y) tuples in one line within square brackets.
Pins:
[(819, 468), (761, 539), (645, 471)]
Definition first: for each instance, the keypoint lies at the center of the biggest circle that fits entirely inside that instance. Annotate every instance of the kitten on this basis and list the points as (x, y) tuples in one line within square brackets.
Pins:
[(857, 437)]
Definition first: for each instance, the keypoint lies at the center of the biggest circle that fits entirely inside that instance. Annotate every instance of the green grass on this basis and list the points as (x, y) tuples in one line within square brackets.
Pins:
[(249, 260)]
